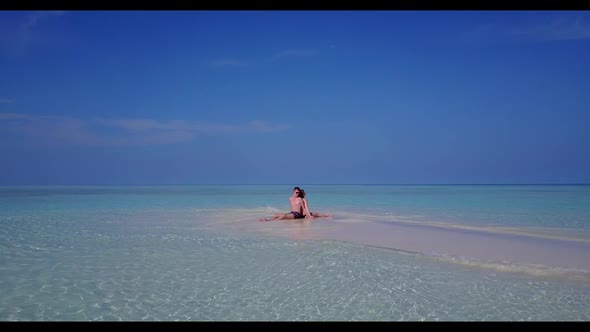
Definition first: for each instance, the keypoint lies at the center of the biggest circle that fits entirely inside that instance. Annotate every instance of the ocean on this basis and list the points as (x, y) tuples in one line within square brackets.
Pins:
[(390, 253)]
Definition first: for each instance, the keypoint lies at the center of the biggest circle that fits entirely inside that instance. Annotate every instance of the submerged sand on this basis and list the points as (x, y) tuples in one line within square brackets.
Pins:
[(545, 252)]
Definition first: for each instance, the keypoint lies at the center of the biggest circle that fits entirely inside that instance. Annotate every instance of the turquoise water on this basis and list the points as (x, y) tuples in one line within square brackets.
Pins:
[(198, 253)]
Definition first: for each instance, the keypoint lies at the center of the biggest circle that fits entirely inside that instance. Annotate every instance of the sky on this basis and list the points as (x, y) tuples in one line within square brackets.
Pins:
[(294, 97)]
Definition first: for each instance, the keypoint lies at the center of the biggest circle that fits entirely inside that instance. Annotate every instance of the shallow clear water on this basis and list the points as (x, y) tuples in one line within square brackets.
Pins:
[(198, 253)]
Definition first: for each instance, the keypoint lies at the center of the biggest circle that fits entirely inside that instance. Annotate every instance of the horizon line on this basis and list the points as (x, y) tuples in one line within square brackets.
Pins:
[(300, 184)]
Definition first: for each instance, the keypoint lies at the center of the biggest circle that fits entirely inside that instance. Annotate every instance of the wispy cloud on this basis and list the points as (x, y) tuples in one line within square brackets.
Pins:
[(249, 127), (549, 29), (143, 125), (233, 62), (17, 35), (6, 101), (35, 18), (557, 29), (62, 130), (12, 116), (293, 53), (237, 62)]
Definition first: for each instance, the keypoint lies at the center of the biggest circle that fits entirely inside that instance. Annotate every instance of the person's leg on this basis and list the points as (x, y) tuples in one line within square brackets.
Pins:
[(279, 216), (321, 215), (275, 217)]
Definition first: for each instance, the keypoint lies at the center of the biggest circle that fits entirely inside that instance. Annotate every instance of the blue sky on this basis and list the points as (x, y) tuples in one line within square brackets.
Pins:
[(294, 97)]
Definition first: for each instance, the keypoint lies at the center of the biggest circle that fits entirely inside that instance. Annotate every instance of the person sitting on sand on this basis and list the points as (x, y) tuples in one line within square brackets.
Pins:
[(299, 209)]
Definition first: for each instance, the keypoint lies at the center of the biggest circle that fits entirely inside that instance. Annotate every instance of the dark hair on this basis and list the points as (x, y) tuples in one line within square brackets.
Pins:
[(301, 192)]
